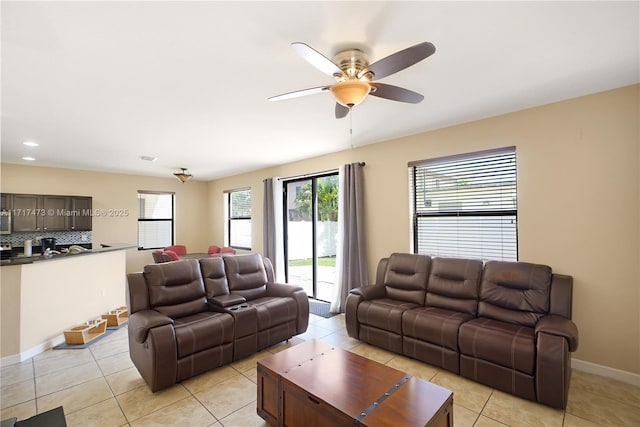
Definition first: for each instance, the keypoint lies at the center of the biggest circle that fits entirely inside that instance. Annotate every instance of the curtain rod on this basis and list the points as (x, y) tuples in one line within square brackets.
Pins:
[(310, 175)]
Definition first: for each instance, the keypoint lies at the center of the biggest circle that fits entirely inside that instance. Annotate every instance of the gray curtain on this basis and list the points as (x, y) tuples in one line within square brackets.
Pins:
[(351, 258), (273, 243)]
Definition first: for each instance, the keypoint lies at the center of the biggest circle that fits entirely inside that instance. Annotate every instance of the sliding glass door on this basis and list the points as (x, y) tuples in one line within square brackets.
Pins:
[(311, 227)]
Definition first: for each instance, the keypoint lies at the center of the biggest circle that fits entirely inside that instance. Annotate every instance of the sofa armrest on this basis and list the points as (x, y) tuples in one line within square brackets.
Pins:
[(354, 298), (281, 290), (222, 301), (142, 321), (559, 326), (370, 292)]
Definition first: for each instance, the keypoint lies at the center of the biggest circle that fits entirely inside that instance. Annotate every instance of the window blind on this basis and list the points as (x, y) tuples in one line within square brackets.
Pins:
[(155, 220), (466, 206), (239, 219)]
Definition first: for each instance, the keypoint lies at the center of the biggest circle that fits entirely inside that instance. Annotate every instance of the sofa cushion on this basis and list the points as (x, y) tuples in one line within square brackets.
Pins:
[(516, 292), (502, 343), (176, 288), (406, 277), (246, 275), (214, 276), (201, 331), (384, 313), (454, 284), (273, 311), (434, 325)]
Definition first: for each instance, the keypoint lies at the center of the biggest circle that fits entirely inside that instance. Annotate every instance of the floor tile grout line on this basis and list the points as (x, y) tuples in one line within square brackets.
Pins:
[(113, 393), (71, 386), (611, 399), (102, 375), (35, 398), (485, 405), (237, 410), (477, 417), (160, 408), (32, 364), (204, 406)]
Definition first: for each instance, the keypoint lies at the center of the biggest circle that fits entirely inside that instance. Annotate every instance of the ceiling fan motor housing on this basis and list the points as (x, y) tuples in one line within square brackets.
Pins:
[(352, 62)]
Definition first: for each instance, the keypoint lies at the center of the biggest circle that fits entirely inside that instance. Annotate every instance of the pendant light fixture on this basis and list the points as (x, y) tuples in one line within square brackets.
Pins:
[(183, 175)]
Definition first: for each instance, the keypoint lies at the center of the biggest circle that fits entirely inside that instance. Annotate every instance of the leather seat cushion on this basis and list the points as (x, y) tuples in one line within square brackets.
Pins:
[(273, 311), (202, 331), (384, 313), (434, 325), (505, 344)]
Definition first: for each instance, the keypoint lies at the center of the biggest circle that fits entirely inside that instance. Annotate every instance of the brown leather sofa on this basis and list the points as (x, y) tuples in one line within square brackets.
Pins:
[(190, 316), (504, 324)]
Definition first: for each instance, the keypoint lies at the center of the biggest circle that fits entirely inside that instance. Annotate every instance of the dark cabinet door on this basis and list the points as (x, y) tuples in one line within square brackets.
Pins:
[(28, 214), (56, 213), (81, 213), (5, 213)]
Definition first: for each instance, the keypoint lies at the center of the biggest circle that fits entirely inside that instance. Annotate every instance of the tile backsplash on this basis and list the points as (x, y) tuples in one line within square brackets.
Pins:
[(62, 237)]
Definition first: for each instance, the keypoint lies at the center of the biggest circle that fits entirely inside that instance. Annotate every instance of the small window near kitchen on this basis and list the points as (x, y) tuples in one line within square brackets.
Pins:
[(155, 219), (466, 206), (239, 219)]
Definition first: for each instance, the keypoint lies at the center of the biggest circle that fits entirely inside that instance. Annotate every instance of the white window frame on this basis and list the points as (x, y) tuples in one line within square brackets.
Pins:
[(465, 205), (144, 222), (234, 223)]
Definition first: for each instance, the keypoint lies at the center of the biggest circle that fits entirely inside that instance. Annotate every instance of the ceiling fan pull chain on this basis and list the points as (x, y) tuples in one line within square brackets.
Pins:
[(351, 129)]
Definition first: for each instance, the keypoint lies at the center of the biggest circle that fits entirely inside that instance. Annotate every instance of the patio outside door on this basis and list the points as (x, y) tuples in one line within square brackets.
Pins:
[(311, 228)]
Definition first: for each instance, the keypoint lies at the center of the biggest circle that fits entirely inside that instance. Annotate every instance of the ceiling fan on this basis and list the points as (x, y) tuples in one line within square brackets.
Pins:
[(356, 78)]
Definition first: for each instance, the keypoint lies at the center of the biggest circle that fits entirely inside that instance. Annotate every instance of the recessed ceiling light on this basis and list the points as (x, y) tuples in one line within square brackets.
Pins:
[(28, 158), (148, 158), (30, 144)]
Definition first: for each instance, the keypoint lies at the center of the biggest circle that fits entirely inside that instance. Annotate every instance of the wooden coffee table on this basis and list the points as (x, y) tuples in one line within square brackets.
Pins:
[(315, 384)]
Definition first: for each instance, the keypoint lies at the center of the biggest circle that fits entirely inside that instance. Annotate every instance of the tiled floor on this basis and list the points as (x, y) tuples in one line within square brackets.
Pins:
[(100, 387)]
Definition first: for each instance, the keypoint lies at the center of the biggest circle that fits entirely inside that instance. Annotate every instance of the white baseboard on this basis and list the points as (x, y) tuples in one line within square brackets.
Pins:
[(34, 351), (605, 371)]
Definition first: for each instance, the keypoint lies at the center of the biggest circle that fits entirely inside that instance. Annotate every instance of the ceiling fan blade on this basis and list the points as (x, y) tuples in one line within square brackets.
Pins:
[(341, 111), (400, 60), (299, 93), (395, 93), (317, 59)]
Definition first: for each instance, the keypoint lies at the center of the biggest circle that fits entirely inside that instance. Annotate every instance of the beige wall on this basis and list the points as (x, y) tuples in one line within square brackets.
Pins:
[(118, 191), (578, 194)]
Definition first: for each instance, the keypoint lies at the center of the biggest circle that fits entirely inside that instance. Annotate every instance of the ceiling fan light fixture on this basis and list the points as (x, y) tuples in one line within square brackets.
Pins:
[(183, 175), (350, 92)]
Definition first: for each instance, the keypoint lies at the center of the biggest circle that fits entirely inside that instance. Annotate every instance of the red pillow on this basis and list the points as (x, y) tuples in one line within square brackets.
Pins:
[(173, 255)]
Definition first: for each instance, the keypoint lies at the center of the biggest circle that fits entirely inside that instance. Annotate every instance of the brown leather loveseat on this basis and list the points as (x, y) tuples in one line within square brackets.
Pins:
[(504, 324), (190, 316)]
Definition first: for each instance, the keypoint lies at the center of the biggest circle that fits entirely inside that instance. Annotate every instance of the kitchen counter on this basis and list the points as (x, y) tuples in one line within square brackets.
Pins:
[(40, 297), (20, 259)]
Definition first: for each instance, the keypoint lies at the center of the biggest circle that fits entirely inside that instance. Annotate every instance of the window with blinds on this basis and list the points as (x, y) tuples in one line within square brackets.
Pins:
[(155, 220), (466, 206), (239, 219)]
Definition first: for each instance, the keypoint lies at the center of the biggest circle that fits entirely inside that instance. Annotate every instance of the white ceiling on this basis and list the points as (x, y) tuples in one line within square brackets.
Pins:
[(99, 84)]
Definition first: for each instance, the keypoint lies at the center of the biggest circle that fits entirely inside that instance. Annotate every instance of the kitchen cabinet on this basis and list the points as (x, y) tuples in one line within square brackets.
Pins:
[(81, 213), (5, 214), (56, 213), (27, 212), (34, 212)]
